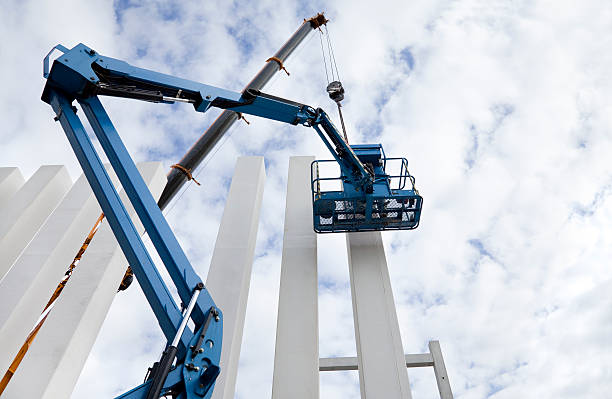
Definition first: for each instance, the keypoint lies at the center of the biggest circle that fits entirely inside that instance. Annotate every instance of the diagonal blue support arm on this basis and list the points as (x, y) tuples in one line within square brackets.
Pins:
[(156, 291), (162, 237)]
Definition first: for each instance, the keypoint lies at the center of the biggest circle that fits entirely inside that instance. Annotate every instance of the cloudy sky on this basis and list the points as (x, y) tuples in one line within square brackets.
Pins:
[(502, 109)]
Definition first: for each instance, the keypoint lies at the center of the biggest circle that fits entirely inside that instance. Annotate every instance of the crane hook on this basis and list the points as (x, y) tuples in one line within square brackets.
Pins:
[(336, 93)]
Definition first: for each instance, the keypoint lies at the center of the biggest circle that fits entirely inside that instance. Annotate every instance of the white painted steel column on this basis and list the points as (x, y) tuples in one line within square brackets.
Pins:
[(27, 210), (382, 365), (27, 287), (296, 360), (11, 180), (53, 363), (229, 276)]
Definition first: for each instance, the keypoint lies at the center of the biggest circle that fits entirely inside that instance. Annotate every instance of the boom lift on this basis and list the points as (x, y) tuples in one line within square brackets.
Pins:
[(371, 198)]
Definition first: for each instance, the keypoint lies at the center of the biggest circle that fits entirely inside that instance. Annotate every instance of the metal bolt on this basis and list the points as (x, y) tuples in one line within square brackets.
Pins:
[(191, 367), (92, 78), (208, 97), (201, 350)]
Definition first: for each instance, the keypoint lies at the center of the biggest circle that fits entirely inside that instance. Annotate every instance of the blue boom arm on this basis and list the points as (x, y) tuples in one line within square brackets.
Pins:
[(82, 72)]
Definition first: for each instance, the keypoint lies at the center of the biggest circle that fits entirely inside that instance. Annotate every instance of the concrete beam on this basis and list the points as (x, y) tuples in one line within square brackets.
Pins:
[(27, 210), (229, 276), (28, 285), (11, 180), (52, 366), (296, 359), (350, 363), (433, 359), (381, 361)]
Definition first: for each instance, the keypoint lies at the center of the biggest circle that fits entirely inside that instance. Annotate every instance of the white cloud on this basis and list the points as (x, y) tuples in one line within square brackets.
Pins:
[(503, 110)]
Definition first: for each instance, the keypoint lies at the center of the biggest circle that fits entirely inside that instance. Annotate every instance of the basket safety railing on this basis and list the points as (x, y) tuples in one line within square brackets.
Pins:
[(336, 210), (401, 178)]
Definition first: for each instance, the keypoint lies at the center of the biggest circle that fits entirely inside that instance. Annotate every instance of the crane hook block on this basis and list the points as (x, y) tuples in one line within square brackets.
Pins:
[(335, 91)]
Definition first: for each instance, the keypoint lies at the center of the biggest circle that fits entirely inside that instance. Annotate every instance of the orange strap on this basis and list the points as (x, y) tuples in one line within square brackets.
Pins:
[(240, 116), (20, 355), (26, 345), (186, 171), (280, 64)]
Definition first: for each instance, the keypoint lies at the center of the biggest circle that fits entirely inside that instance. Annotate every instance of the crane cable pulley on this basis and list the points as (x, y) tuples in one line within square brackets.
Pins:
[(334, 88)]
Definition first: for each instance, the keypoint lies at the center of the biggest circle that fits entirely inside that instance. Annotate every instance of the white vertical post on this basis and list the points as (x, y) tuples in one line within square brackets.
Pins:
[(26, 211), (11, 180), (53, 363), (27, 287), (440, 370), (380, 356), (296, 360), (229, 276)]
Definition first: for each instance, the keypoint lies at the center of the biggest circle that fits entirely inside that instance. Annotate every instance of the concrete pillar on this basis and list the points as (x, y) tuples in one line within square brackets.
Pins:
[(27, 287), (296, 360), (11, 180), (440, 370), (380, 356), (26, 211), (52, 366), (229, 276)]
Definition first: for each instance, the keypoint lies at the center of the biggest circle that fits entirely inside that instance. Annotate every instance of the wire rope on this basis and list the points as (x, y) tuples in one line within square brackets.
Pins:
[(331, 54), (323, 53)]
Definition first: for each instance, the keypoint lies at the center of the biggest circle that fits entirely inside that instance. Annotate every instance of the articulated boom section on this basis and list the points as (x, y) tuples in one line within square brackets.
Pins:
[(371, 199), (386, 202)]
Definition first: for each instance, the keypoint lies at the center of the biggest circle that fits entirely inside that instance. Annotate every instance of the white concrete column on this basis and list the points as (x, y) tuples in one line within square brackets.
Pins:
[(26, 211), (53, 363), (27, 287), (229, 276), (11, 180), (296, 359), (440, 370), (380, 356)]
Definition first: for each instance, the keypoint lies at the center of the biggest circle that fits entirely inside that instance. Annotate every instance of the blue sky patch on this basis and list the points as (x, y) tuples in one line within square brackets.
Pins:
[(243, 40), (479, 246), (407, 58)]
